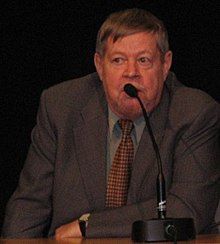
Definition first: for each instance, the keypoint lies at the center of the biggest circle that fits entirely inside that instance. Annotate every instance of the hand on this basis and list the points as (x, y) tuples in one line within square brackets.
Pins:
[(68, 230)]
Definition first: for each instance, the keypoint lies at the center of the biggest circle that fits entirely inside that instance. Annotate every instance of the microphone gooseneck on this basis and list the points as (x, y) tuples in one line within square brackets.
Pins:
[(162, 228), (161, 191)]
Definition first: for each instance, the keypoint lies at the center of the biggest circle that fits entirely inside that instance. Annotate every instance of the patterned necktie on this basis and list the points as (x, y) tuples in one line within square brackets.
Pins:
[(119, 175)]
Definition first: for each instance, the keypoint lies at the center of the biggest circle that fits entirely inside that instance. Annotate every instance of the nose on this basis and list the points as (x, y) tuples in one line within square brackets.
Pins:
[(131, 70)]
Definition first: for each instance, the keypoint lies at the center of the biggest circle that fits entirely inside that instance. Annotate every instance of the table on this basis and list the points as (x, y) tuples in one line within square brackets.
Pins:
[(199, 239)]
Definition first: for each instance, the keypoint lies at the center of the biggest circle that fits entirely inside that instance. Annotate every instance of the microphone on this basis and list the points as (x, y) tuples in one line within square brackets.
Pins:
[(161, 191), (162, 228)]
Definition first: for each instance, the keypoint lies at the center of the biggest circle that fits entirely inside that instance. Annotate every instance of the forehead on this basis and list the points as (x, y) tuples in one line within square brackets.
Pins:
[(134, 43)]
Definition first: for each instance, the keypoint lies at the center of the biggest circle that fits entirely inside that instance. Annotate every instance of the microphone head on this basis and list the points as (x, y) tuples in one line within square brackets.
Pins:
[(131, 90)]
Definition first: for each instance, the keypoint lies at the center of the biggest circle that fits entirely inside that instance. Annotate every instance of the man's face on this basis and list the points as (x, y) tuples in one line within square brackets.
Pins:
[(134, 59)]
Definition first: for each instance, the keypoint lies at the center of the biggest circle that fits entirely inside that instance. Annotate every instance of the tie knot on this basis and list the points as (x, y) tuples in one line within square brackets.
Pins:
[(126, 126)]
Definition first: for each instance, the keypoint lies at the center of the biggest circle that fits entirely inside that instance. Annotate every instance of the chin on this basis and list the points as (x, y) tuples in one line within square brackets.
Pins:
[(131, 113), (127, 108)]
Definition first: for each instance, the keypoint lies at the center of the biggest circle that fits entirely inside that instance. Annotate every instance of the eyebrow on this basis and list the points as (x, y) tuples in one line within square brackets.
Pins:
[(139, 53)]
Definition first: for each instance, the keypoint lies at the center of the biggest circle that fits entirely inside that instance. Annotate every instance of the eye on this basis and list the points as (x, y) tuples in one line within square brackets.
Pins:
[(118, 60), (145, 61)]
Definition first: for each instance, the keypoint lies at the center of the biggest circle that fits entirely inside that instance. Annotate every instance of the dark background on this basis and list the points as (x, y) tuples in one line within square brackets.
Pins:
[(45, 42)]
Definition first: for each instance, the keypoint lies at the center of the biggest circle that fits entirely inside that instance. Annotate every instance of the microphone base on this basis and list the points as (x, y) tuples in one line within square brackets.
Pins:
[(163, 230)]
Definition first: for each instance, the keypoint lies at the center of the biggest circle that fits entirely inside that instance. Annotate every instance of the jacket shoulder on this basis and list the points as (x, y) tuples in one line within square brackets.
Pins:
[(69, 98), (186, 104), (74, 87), (73, 93)]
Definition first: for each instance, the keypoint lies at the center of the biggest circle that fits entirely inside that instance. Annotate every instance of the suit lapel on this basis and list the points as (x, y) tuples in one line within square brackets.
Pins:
[(91, 143), (144, 173)]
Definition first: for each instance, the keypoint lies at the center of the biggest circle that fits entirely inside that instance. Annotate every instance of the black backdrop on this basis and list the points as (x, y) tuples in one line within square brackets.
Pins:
[(46, 42)]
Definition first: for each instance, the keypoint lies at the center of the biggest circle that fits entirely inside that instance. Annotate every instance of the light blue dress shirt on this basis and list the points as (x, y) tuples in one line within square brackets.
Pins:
[(114, 135)]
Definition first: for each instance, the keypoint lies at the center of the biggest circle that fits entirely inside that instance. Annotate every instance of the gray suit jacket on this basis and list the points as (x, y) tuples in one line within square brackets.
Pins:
[(65, 172)]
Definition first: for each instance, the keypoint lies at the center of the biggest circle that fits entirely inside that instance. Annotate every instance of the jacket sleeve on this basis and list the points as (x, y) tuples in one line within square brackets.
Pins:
[(195, 187), (28, 211)]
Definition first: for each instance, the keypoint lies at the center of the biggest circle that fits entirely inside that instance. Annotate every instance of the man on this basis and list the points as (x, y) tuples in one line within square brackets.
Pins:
[(69, 165)]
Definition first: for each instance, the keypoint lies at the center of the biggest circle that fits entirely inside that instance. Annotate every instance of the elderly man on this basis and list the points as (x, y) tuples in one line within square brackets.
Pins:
[(91, 169)]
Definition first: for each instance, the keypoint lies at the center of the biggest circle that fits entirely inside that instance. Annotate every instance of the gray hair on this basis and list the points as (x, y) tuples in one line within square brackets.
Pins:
[(128, 22)]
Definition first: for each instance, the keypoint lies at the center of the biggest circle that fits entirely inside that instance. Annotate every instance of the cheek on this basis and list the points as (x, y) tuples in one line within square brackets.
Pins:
[(112, 87), (153, 86), (112, 82)]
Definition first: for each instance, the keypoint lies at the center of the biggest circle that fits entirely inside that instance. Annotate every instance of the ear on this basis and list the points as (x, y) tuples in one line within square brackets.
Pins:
[(98, 60), (167, 63)]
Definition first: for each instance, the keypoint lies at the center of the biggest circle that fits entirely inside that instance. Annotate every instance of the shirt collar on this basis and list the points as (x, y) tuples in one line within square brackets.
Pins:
[(139, 124)]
